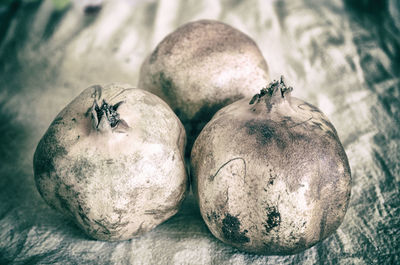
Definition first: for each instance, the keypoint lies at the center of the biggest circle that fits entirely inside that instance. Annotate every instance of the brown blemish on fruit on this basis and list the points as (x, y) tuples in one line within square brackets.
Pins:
[(82, 169), (273, 218), (267, 132), (213, 217), (57, 120), (231, 230), (263, 131), (271, 178)]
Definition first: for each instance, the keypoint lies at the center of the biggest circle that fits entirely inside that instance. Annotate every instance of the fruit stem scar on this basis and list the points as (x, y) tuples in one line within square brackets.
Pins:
[(106, 115), (272, 90)]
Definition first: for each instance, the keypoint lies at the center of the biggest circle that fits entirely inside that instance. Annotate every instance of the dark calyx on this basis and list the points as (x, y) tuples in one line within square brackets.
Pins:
[(276, 89), (109, 111)]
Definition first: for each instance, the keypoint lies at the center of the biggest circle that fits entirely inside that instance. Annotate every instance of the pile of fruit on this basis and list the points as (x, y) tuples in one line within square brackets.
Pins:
[(267, 169)]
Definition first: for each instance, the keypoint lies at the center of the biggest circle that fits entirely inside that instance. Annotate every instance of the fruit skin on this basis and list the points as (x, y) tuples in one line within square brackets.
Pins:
[(201, 67), (271, 177), (115, 183)]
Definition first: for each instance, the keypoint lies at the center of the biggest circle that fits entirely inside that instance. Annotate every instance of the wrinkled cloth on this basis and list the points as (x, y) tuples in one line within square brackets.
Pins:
[(342, 56)]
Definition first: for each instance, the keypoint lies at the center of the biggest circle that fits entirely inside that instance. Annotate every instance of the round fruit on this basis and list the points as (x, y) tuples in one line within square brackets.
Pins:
[(201, 67), (271, 177), (113, 161)]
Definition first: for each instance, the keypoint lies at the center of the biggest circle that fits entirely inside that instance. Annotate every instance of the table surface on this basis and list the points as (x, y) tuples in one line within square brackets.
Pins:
[(342, 56)]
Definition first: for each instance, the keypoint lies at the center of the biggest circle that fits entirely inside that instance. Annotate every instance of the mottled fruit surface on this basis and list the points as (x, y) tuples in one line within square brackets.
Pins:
[(271, 177), (113, 161), (201, 67)]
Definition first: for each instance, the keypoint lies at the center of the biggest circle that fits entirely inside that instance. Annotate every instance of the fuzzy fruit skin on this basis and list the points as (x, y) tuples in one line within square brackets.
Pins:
[(115, 184), (201, 67), (271, 179)]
